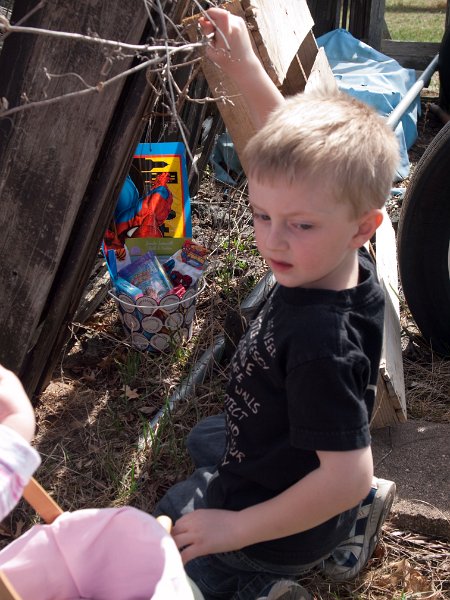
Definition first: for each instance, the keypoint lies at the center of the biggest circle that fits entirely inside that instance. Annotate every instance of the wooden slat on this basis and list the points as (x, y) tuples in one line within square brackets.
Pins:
[(301, 66), (234, 110), (358, 21), (411, 55), (278, 32), (391, 399), (384, 413), (94, 294), (376, 24), (307, 53), (321, 75), (61, 170), (325, 14)]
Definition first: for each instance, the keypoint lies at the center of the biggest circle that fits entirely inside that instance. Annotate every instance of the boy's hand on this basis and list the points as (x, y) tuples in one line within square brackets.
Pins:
[(206, 531), (230, 47), (16, 411)]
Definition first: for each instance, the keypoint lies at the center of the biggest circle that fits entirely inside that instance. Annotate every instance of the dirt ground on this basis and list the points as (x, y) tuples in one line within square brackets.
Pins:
[(94, 435)]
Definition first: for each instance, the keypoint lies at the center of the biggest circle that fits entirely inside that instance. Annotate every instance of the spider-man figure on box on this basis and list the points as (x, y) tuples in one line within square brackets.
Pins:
[(140, 217)]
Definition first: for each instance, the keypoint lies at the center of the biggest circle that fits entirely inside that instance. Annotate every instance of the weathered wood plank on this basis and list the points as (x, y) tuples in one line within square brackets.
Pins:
[(384, 413), (366, 21), (411, 55), (278, 33), (391, 399), (325, 14), (233, 108), (376, 24), (358, 18), (300, 69), (94, 293), (321, 76), (61, 169)]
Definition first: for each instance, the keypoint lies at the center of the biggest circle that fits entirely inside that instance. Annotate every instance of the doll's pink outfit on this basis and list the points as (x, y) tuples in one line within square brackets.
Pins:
[(100, 554)]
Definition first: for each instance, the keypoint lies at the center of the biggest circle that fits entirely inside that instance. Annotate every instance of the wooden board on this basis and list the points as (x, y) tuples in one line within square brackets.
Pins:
[(278, 31), (390, 406), (61, 170), (321, 75), (234, 110), (376, 24), (326, 15), (411, 55), (301, 66)]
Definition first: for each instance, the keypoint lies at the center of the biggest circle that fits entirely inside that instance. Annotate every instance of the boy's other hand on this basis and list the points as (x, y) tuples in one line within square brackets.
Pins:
[(206, 531), (16, 411)]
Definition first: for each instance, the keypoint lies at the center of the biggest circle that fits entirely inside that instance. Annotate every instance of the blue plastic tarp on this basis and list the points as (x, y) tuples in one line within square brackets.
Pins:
[(375, 79), (366, 74)]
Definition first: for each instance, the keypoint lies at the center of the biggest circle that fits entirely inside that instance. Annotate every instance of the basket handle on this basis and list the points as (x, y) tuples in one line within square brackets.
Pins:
[(42, 503), (7, 592)]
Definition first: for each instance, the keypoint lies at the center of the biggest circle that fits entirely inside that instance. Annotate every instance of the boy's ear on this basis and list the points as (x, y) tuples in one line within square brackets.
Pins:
[(368, 223)]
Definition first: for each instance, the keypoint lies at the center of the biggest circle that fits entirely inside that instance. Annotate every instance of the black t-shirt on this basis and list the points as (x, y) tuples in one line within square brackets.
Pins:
[(303, 379)]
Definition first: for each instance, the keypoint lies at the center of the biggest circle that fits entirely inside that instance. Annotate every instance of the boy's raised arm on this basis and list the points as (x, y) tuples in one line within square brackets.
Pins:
[(231, 49)]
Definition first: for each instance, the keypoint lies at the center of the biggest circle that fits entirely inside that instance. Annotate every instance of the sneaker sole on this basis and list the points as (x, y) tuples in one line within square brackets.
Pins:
[(381, 507), (377, 518)]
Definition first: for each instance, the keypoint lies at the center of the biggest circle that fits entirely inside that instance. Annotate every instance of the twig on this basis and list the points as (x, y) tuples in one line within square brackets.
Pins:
[(97, 88), (6, 27), (25, 17)]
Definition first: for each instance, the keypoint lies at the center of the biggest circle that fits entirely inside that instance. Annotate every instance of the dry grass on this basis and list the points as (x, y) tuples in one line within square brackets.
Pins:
[(94, 433), (406, 566), (428, 388)]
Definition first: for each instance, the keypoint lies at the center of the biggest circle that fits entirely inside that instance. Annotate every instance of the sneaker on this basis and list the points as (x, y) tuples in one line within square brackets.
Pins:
[(351, 556), (287, 590)]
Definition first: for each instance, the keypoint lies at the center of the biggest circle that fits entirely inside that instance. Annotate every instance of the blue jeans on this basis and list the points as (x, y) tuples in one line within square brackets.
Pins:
[(230, 575)]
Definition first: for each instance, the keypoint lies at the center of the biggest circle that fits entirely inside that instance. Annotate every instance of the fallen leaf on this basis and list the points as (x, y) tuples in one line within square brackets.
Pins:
[(416, 582), (106, 362), (146, 410), (89, 375), (131, 394)]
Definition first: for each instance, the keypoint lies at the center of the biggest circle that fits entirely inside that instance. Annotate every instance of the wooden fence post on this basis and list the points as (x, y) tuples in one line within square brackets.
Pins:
[(61, 169)]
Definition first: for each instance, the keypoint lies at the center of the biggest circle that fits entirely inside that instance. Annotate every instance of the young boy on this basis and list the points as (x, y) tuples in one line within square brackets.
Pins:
[(297, 467)]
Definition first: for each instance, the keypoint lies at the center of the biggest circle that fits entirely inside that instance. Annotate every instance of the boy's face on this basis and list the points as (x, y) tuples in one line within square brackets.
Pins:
[(306, 237)]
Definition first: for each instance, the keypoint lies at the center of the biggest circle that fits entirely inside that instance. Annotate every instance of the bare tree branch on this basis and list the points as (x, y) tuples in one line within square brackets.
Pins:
[(100, 85), (6, 27)]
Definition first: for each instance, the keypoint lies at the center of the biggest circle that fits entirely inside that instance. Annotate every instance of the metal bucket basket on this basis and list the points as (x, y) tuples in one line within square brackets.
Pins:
[(158, 326)]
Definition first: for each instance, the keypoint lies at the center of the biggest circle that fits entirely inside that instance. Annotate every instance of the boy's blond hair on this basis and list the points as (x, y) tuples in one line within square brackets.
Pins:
[(329, 137)]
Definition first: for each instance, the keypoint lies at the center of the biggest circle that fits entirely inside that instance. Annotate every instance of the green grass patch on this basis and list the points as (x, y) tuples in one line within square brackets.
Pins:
[(415, 20)]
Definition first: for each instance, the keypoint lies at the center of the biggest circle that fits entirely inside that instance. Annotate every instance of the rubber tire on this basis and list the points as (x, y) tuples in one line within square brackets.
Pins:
[(444, 71), (423, 243)]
